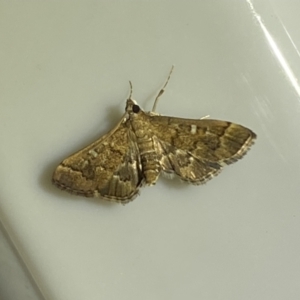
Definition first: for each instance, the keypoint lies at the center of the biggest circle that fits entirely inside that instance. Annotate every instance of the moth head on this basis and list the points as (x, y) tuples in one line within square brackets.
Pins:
[(132, 107)]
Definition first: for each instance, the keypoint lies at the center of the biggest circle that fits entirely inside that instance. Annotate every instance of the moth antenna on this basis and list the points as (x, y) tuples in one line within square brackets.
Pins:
[(130, 84), (162, 90)]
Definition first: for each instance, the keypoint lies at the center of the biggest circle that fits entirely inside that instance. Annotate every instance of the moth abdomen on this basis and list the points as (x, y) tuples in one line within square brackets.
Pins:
[(151, 167)]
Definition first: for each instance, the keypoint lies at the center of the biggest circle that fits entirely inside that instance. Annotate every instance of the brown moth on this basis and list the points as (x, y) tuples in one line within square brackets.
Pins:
[(143, 145)]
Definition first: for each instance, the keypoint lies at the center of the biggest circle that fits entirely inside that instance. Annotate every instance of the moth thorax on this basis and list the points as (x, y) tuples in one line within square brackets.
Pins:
[(140, 133), (138, 126)]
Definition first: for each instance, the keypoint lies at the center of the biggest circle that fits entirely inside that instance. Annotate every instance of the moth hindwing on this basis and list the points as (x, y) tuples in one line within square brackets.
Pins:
[(143, 145)]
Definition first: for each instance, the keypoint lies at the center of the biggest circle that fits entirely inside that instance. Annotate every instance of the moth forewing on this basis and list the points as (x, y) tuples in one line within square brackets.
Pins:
[(212, 140), (108, 168)]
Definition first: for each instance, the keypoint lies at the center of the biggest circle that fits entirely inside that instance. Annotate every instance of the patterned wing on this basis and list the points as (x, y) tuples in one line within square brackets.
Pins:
[(197, 149), (109, 168), (185, 165)]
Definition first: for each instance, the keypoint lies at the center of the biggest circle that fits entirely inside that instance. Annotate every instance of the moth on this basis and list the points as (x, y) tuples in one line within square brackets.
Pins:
[(145, 144)]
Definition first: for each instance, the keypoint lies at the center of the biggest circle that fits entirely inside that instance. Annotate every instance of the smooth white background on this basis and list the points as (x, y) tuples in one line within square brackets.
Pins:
[(64, 77)]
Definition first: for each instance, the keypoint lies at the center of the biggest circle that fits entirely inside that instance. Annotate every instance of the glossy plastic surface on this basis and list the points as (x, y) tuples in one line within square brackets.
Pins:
[(64, 80)]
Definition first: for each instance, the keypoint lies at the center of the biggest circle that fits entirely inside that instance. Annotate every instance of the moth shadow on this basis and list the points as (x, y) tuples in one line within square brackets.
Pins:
[(174, 182)]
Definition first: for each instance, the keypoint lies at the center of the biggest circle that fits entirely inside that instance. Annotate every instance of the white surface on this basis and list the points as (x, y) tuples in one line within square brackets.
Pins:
[(64, 80), (15, 281)]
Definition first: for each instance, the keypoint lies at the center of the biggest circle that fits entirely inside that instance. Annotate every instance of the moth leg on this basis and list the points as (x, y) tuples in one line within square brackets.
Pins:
[(205, 117)]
